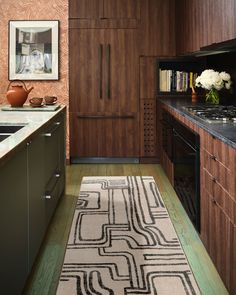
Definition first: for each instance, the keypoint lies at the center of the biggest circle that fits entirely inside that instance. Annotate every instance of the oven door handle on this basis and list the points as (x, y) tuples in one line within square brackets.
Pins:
[(177, 134)]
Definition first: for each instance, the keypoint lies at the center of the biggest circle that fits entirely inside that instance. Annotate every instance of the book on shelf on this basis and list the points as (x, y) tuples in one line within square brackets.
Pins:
[(176, 81)]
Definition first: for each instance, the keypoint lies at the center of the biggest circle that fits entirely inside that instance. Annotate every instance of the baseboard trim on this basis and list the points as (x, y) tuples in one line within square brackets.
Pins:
[(100, 160), (149, 161)]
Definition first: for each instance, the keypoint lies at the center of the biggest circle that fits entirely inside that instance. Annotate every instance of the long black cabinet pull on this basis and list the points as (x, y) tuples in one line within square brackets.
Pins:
[(109, 71), (101, 69)]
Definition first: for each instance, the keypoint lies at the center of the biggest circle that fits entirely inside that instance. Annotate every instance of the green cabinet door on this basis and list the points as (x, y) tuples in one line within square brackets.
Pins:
[(14, 224), (36, 190)]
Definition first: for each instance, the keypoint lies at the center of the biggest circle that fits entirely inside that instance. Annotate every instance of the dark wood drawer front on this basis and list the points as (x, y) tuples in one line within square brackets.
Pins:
[(104, 136), (219, 195), (217, 148), (219, 172)]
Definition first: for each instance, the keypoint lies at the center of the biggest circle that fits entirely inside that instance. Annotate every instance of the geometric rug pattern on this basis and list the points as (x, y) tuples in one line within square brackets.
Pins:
[(122, 241)]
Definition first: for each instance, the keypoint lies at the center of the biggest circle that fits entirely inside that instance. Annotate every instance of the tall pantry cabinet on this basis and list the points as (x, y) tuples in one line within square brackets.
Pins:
[(108, 38)]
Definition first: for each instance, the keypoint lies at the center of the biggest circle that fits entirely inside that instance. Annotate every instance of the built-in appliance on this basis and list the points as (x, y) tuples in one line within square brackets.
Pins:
[(181, 145), (186, 165), (167, 134), (214, 113)]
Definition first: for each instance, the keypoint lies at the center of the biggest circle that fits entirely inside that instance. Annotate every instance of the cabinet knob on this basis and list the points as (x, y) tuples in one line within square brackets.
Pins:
[(57, 123), (28, 143), (48, 197), (214, 201), (214, 179), (57, 175)]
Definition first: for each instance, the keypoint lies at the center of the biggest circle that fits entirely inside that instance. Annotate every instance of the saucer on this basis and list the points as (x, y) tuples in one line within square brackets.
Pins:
[(50, 103), (37, 106)]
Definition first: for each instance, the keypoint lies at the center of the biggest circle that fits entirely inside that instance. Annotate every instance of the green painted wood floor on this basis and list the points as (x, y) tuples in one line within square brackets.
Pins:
[(46, 271)]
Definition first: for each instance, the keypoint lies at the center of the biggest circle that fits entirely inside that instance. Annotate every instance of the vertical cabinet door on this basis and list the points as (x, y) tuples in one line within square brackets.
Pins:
[(36, 186), (121, 71), (87, 70), (103, 71), (14, 224), (219, 240), (52, 167), (121, 9), (88, 9)]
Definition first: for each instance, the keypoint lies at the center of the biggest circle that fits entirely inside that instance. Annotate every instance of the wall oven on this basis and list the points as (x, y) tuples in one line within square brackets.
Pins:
[(182, 147), (186, 164)]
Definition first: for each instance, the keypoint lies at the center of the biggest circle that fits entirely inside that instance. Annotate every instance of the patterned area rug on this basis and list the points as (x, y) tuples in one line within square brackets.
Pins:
[(122, 241)]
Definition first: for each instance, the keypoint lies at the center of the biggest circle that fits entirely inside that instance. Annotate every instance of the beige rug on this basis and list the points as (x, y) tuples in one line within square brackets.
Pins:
[(122, 241)]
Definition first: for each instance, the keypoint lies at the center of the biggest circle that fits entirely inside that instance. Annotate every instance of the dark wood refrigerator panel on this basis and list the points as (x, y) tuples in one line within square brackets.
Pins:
[(104, 92), (103, 71), (110, 136), (121, 71), (87, 70)]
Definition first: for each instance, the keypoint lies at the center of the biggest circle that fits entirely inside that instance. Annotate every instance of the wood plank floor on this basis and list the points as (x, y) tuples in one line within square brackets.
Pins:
[(46, 271)]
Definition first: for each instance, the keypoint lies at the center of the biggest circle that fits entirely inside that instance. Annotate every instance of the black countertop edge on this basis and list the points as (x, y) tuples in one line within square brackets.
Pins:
[(223, 131)]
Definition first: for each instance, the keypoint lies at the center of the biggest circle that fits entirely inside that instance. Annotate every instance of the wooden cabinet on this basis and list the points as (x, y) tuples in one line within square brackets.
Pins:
[(200, 23), (103, 89), (88, 9), (113, 9), (218, 203), (104, 136), (157, 28), (14, 223), (149, 138), (104, 13), (103, 71)]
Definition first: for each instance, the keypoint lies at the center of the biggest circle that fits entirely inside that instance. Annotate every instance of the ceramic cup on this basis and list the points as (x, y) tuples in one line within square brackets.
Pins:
[(50, 99), (36, 101)]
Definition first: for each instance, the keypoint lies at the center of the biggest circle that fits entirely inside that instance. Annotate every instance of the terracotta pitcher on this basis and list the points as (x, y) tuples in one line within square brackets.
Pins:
[(18, 94)]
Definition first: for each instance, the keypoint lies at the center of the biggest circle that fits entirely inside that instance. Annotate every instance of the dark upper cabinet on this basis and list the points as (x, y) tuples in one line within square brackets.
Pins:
[(157, 28), (121, 9), (105, 9), (203, 22), (88, 9)]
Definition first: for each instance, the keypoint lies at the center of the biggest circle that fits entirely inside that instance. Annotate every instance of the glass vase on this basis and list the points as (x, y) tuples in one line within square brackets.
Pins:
[(212, 96)]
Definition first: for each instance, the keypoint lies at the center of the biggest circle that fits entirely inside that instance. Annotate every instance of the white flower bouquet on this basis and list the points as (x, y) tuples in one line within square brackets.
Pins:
[(213, 81)]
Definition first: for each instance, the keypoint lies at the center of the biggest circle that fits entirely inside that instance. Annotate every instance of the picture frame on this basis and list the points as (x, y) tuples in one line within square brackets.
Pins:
[(33, 50)]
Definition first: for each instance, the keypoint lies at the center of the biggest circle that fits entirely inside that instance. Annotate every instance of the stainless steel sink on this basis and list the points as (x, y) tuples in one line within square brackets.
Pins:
[(7, 130)]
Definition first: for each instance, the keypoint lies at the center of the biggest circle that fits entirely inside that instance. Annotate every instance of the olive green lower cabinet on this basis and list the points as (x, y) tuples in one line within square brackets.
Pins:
[(31, 183), (14, 224)]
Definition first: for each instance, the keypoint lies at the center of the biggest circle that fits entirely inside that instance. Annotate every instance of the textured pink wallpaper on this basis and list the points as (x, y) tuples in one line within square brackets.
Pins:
[(36, 10)]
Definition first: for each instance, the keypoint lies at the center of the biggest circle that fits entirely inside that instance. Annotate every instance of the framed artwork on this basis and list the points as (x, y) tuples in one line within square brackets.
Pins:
[(33, 50)]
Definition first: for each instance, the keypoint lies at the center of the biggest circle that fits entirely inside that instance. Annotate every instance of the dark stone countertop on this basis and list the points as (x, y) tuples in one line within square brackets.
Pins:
[(223, 131)]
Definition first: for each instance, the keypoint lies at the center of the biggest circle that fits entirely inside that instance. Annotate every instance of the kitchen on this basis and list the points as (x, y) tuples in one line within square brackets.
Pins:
[(114, 119)]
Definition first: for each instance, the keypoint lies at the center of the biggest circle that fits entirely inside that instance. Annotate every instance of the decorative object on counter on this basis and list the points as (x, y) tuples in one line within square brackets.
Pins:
[(194, 95), (18, 94), (33, 50), (50, 100), (36, 101), (213, 81)]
